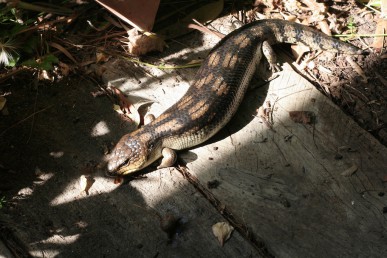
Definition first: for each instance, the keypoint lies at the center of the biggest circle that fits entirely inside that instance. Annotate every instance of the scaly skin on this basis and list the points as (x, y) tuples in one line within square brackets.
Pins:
[(219, 87)]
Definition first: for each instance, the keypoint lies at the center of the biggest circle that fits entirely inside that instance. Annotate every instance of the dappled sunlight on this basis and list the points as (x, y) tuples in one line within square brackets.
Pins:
[(42, 179), (275, 178), (100, 129), (75, 191), (281, 183), (55, 240), (56, 154), (60, 240), (42, 252), (269, 180)]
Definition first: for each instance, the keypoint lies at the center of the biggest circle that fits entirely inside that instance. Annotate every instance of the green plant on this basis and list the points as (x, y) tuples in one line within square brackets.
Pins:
[(8, 52), (23, 38), (2, 202)]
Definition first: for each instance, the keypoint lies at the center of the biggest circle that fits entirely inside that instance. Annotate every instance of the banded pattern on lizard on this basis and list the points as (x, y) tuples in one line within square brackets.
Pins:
[(219, 87)]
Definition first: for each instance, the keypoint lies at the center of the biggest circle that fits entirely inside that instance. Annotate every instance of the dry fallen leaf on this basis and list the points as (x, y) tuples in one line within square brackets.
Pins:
[(100, 57), (315, 6), (299, 50), (222, 231), (82, 183), (302, 117), (357, 68), (64, 51), (142, 43), (324, 27), (118, 180), (381, 28), (2, 102), (85, 183), (45, 75), (64, 68), (125, 107), (324, 69)]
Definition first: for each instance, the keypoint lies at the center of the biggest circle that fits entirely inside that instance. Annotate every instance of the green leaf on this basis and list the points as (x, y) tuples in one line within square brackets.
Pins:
[(46, 63), (13, 61), (2, 201), (31, 63)]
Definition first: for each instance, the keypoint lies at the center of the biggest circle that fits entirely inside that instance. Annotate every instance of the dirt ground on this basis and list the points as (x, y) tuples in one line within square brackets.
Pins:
[(56, 132)]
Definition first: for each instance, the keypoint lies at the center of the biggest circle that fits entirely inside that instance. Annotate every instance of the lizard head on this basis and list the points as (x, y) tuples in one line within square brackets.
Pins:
[(131, 154)]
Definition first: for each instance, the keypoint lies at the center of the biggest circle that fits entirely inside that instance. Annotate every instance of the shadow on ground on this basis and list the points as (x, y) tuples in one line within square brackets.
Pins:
[(42, 160)]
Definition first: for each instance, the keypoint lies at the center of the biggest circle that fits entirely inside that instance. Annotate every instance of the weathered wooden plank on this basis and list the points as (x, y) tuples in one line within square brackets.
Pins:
[(287, 187), (54, 216), (125, 221)]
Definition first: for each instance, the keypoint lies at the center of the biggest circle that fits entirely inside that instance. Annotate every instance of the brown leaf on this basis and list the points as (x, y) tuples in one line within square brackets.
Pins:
[(100, 57), (222, 231), (316, 7), (63, 50), (324, 27), (357, 68), (381, 28), (118, 180), (299, 50), (64, 68), (302, 117), (142, 43), (85, 183), (125, 107)]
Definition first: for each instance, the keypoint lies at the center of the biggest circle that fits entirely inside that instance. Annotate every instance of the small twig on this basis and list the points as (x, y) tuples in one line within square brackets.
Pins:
[(105, 37), (204, 29), (48, 24), (24, 119), (354, 35), (227, 214)]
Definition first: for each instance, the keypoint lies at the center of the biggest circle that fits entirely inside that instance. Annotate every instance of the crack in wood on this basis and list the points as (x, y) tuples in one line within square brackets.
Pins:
[(256, 241)]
